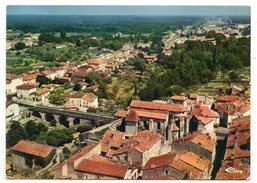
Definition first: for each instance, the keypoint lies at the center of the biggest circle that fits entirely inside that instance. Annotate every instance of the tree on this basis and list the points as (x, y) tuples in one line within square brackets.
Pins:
[(140, 65), (42, 127), (41, 79), (92, 110), (20, 46), (66, 152), (233, 76), (15, 134), (176, 89), (58, 137), (57, 99), (77, 87), (53, 122), (31, 128), (84, 127), (63, 34)]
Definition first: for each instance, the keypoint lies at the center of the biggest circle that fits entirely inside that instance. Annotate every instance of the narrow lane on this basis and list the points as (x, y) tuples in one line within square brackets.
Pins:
[(220, 152)]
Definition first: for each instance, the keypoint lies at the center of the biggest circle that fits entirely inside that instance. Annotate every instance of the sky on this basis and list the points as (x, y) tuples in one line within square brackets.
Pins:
[(128, 10)]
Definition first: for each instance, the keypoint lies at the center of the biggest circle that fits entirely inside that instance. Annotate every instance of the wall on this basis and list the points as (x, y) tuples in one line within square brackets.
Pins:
[(18, 160), (11, 88), (195, 148), (25, 94), (12, 112), (131, 127)]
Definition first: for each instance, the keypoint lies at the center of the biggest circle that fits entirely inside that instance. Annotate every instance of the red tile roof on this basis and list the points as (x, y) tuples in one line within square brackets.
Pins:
[(121, 113), (32, 148), (146, 140), (132, 116), (93, 87), (26, 86), (111, 139), (204, 111), (97, 62), (204, 120), (204, 138), (70, 106), (102, 168), (75, 95), (195, 161), (178, 97), (227, 98), (42, 91), (242, 173), (79, 74), (157, 106), (160, 161), (89, 97), (12, 76)]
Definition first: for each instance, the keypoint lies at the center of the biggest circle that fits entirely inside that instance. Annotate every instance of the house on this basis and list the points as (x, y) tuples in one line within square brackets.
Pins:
[(142, 119), (132, 150), (99, 167), (27, 153), (24, 90), (83, 101), (182, 100), (85, 68), (12, 81), (179, 165), (202, 143), (100, 64), (40, 95), (236, 163), (83, 85), (138, 149), (67, 168), (151, 58), (174, 111), (203, 118), (112, 140), (79, 76), (49, 74), (12, 111), (232, 109), (30, 77), (227, 99), (205, 99)]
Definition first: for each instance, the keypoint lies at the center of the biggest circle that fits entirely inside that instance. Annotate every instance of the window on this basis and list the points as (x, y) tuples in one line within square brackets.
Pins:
[(158, 125)]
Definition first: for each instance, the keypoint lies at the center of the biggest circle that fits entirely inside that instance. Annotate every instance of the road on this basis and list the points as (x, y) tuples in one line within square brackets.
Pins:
[(65, 112)]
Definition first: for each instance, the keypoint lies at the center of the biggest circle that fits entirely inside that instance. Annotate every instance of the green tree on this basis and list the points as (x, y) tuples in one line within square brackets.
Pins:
[(42, 127), (84, 127), (41, 79), (20, 46), (176, 89), (140, 65), (63, 34), (59, 137), (66, 152), (57, 99), (92, 110), (77, 87), (31, 128), (15, 134)]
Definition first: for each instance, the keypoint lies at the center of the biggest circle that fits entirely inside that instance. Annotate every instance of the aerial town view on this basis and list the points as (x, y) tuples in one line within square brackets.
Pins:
[(119, 92)]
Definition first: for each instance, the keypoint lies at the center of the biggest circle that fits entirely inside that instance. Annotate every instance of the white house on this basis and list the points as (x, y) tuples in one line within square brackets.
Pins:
[(12, 81), (83, 101), (24, 90), (40, 95)]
